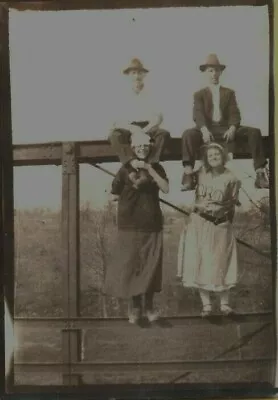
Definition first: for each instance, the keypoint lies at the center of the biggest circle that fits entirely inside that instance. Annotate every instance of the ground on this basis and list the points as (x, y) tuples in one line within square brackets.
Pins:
[(39, 274)]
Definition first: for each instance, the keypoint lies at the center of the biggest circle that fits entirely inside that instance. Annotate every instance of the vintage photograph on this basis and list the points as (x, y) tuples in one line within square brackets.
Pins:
[(143, 208)]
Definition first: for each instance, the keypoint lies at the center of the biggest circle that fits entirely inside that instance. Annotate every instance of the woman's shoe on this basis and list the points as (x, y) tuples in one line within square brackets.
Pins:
[(206, 311), (134, 316), (152, 316), (226, 309)]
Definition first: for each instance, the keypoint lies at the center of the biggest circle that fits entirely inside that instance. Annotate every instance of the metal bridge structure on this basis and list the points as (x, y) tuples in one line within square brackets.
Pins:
[(248, 352)]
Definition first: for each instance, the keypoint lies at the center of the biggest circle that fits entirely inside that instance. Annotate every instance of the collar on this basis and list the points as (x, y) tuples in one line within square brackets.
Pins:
[(214, 88)]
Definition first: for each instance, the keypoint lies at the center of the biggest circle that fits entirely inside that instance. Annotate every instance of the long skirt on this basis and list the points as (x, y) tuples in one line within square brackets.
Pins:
[(135, 266), (207, 256)]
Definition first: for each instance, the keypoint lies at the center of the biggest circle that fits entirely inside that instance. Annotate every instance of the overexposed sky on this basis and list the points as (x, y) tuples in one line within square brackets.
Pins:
[(66, 78)]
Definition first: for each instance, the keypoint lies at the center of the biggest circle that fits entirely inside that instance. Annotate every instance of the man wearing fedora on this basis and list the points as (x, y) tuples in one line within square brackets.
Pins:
[(137, 116), (217, 118)]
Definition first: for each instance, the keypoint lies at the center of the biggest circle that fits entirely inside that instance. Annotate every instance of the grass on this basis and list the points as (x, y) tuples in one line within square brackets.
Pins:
[(39, 265), (39, 278)]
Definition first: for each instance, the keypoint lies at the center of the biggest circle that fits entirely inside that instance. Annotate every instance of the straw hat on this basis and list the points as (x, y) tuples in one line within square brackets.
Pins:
[(212, 61), (135, 65), (140, 140), (213, 145)]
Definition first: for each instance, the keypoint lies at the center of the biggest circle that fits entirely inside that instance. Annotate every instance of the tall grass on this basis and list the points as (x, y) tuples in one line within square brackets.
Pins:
[(40, 269)]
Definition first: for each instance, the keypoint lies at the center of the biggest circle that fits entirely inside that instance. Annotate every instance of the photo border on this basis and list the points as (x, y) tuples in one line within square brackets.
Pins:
[(6, 176)]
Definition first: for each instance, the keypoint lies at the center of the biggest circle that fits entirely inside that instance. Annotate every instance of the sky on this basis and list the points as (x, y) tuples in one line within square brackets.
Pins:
[(66, 77)]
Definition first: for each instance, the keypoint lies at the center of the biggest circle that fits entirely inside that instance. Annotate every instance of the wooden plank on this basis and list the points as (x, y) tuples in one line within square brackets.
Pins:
[(71, 253), (101, 151), (260, 345), (37, 154), (173, 366), (201, 388), (190, 343), (111, 323)]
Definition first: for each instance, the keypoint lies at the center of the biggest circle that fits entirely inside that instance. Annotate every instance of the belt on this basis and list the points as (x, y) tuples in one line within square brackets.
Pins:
[(210, 218)]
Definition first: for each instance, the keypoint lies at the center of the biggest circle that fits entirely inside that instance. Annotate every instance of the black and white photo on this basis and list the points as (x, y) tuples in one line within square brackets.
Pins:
[(143, 198)]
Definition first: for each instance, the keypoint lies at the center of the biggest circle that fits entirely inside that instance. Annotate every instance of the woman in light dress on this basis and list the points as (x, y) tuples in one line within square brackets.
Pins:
[(208, 258)]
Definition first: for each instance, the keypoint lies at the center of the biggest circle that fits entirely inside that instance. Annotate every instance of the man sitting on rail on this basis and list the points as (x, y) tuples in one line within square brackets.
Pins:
[(137, 116), (217, 118)]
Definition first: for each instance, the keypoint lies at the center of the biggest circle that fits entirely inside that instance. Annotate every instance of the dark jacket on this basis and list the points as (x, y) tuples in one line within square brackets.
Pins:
[(138, 209), (203, 108)]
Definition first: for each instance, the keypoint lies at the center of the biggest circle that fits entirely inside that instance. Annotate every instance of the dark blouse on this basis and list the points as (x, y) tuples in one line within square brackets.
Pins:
[(138, 209)]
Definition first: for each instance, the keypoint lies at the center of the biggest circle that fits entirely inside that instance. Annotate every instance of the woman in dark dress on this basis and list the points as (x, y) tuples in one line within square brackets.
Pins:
[(134, 271)]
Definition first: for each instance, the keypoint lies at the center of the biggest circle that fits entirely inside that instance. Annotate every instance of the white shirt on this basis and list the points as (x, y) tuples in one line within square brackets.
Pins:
[(215, 91), (133, 107)]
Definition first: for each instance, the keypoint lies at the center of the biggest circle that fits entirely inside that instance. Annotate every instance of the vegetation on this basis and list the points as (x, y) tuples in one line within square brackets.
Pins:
[(39, 263)]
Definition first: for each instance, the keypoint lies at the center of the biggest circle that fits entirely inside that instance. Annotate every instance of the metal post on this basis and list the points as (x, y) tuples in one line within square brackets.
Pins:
[(71, 345), (7, 205)]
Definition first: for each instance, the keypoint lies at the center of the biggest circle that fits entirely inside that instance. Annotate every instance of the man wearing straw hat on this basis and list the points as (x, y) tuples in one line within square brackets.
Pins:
[(137, 117), (217, 118)]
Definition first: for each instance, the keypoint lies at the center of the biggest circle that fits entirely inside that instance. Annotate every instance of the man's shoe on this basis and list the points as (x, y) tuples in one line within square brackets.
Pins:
[(134, 316), (261, 181), (188, 182)]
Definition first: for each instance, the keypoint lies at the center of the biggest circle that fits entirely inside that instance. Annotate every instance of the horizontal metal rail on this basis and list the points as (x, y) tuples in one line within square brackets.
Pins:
[(58, 5), (70, 155), (84, 322), (174, 366), (101, 151)]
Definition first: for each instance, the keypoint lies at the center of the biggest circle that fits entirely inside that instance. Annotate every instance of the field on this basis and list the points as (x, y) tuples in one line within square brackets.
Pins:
[(38, 294)]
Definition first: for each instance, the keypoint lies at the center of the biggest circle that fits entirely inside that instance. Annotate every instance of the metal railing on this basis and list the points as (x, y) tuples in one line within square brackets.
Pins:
[(72, 368)]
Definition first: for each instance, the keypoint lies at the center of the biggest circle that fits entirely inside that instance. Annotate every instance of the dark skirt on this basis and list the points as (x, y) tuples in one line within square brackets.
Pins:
[(135, 265)]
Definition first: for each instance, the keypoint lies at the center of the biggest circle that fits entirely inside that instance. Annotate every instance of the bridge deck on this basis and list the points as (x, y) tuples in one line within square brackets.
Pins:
[(101, 151)]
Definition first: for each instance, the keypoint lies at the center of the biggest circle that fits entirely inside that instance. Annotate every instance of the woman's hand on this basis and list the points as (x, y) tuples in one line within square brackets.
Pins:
[(202, 206), (137, 164)]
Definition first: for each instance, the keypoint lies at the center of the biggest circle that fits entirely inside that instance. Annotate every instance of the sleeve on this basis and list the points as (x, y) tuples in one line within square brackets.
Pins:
[(198, 110), (119, 110), (235, 185), (234, 113), (118, 182), (161, 172), (197, 174)]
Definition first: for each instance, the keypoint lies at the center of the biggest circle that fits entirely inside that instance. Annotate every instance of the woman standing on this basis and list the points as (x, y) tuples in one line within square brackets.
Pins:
[(208, 251), (135, 269)]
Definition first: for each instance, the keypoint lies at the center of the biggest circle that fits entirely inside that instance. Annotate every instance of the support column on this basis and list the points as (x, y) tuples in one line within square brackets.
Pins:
[(71, 338)]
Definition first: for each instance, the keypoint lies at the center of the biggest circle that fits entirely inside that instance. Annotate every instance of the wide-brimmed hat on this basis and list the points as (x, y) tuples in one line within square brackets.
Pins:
[(212, 61), (140, 140), (135, 65)]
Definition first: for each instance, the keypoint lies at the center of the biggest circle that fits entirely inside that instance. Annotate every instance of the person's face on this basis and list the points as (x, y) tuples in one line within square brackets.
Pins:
[(137, 79), (214, 158), (141, 151), (213, 75)]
